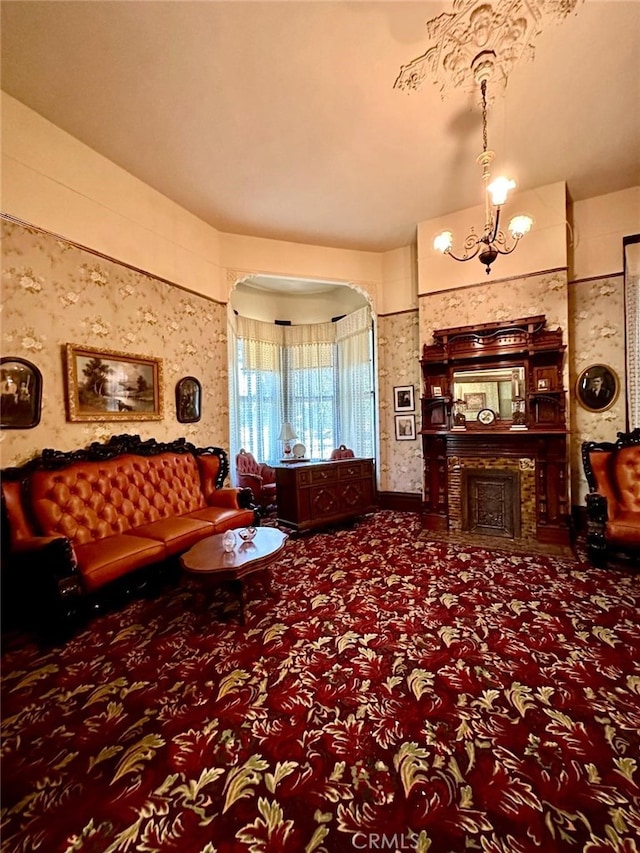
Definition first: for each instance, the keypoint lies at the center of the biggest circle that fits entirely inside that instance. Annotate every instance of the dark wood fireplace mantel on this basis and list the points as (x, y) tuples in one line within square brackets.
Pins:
[(535, 451), (544, 454)]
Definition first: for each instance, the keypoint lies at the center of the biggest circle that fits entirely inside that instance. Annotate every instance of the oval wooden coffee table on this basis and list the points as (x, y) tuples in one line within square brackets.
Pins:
[(208, 559)]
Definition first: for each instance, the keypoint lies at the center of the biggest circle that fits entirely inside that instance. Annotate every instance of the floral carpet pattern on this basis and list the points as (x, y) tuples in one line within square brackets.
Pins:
[(390, 692)]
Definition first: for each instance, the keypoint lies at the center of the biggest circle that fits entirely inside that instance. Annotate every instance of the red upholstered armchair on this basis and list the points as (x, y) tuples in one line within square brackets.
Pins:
[(258, 477), (612, 470), (342, 452)]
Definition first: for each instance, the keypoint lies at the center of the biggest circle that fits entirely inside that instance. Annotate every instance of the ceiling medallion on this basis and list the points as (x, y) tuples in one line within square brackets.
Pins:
[(507, 28)]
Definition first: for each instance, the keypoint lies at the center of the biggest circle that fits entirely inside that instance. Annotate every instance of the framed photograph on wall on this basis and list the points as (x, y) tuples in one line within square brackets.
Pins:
[(21, 393), (105, 385), (188, 400), (405, 427), (597, 388), (403, 398)]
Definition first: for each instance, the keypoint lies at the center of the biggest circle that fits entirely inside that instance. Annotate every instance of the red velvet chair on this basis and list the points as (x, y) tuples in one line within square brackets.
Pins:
[(258, 477), (342, 452)]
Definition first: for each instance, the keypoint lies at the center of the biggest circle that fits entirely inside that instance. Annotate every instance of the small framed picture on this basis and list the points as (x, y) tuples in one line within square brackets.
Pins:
[(436, 391), (543, 384), (188, 400), (405, 427), (403, 398), (21, 389), (475, 401), (597, 388)]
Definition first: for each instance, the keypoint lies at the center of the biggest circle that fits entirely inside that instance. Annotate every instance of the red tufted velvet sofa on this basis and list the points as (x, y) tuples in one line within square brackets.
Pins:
[(76, 522), (612, 470)]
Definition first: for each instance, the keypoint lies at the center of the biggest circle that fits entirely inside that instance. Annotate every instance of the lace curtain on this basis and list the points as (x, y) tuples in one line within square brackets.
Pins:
[(632, 312), (356, 426), (318, 377), (256, 409), (310, 381)]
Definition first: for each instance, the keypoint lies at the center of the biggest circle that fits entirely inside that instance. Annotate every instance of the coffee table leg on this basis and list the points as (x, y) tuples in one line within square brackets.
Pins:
[(238, 587)]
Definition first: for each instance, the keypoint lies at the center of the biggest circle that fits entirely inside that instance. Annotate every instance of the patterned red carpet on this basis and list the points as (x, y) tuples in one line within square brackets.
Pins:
[(394, 693)]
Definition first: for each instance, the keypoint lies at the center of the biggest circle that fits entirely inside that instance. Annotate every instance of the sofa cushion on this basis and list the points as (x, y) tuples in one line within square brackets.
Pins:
[(624, 529), (176, 533), (224, 519), (107, 559)]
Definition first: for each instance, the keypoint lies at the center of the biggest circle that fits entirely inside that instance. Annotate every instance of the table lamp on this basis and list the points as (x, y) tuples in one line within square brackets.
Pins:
[(287, 434)]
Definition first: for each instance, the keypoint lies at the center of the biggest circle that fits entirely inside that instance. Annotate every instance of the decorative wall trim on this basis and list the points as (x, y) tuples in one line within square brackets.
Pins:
[(596, 278), (367, 289), (398, 313), (15, 221)]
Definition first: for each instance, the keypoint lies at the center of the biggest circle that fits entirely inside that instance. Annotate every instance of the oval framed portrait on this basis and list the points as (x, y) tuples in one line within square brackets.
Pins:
[(597, 388), (188, 400), (21, 389)]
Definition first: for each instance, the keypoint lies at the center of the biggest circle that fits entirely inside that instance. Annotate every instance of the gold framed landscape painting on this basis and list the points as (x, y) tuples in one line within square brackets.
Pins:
[(105, 385)]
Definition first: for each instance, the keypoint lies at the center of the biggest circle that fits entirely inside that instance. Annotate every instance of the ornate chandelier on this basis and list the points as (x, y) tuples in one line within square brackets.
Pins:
[(492, 242), (481, 40)]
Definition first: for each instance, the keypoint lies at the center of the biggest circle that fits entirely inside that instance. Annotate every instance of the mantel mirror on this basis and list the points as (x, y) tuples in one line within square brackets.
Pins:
[(488, 388)]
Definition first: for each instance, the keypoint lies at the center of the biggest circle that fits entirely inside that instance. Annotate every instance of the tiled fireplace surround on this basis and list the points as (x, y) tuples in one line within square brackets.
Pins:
[(523, 474), (535, 460)]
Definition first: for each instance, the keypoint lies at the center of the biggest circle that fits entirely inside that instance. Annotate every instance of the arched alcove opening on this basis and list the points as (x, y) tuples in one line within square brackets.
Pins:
[(297, 350)]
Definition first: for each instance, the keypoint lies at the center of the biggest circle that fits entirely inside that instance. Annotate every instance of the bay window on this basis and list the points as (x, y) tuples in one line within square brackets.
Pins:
[(317, 377)]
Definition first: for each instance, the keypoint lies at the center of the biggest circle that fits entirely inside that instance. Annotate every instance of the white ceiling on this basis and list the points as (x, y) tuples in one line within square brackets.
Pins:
[(280, 120)]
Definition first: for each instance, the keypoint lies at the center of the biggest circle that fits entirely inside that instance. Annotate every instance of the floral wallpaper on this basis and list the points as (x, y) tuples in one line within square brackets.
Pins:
[(55, 293), (501, 300), (399, 346), (596, 309)]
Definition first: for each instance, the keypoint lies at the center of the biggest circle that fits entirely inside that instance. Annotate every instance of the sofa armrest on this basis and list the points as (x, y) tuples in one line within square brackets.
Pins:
[(46, 582), (231, 498), (34, 543), (251, 481)]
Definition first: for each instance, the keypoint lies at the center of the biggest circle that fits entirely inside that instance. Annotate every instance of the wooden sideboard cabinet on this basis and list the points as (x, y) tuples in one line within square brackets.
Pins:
[(317, 494)]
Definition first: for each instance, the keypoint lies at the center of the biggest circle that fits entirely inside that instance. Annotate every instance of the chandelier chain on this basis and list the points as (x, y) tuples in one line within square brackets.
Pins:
[(483, 89)]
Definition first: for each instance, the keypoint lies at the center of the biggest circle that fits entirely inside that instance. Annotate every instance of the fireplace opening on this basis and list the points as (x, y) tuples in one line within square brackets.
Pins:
[(491, 502)]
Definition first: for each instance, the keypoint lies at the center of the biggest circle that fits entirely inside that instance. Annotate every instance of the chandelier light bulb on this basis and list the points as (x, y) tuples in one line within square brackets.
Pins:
[(499, 190), (519, 226), (443, 242)]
